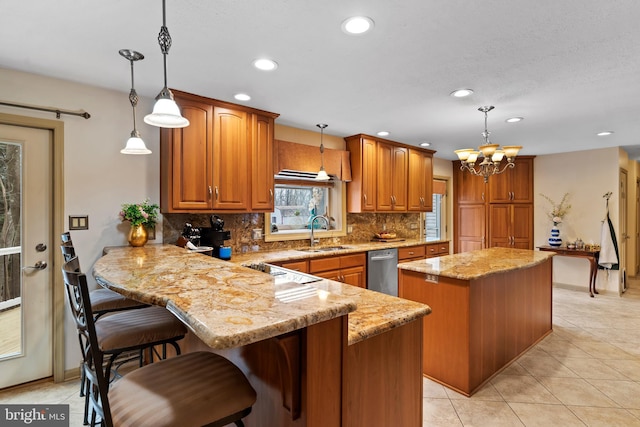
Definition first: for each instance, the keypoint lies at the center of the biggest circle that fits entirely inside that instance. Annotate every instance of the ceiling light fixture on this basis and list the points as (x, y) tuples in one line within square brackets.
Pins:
[(461, 93), (166, 113), (492, 155), (357, 25), (425, 144), (265, 64), (514, 119), (605, 133), (242, 97), (322, 175), (383, 133), (135, 144)]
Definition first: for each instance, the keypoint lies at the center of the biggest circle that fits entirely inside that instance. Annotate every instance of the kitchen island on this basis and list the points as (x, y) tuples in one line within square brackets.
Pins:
[(310, 357), (489, 307)]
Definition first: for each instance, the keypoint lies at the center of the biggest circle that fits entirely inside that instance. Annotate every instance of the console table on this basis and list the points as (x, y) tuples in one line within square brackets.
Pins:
[(590, 255)]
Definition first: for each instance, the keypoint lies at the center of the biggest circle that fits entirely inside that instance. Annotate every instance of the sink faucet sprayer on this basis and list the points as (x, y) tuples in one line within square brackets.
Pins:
[(313, 219)]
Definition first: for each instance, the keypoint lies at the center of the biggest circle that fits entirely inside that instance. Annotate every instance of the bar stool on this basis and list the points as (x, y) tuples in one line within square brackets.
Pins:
[(103, 300), (122, 332), (195, 389)]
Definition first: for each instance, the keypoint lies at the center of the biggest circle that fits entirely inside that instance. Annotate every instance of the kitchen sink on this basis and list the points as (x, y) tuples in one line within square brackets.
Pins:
[(323, 249)]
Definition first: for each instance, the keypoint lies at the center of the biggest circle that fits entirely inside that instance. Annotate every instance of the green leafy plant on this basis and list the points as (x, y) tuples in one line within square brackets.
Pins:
[(143, 213)]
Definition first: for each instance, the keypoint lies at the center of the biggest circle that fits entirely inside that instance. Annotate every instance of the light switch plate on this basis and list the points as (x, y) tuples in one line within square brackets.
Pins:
[(78, 222)]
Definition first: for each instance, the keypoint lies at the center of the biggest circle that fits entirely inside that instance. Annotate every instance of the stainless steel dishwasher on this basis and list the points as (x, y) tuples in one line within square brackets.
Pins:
[(382, 271)]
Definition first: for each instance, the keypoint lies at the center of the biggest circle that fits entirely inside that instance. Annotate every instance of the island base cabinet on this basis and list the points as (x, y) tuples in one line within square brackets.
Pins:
[(297, 376), (478, 327), (383, 379)]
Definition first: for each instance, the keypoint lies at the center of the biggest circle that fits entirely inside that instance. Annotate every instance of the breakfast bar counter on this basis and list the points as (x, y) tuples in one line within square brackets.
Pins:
[(311, 347), (489, 307)]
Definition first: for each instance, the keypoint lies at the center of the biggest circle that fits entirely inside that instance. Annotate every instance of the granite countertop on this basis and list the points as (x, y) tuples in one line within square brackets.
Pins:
[(477, 264), (305, 253), (227, 305)]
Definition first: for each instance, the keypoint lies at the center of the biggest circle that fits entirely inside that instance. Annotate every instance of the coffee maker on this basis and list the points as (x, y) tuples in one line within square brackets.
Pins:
[(215, 237)]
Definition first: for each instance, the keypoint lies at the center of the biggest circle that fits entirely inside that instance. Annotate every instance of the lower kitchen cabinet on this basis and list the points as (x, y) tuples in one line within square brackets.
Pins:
[(412, 253), (511, 225), (302, 265), (437, 249), (350, 269)]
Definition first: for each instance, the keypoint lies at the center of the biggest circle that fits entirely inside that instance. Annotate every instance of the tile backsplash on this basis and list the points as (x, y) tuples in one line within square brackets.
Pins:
[(364, 226)]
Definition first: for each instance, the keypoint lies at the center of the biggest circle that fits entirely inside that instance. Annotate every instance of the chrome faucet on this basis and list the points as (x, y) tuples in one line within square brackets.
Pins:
[(313, 219)]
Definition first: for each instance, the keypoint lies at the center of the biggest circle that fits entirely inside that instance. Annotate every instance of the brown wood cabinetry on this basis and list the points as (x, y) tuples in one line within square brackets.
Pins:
[(420, 184), (301, 265), (385, 180), (350, 269), (219, 162), (412, 253), (499, 213), (510, 225), (362, 188), (393, 166), (437, 249), (515, 185)]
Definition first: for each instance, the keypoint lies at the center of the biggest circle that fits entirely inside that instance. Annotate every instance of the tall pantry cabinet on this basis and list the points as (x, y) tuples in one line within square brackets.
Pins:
[(499, 213)]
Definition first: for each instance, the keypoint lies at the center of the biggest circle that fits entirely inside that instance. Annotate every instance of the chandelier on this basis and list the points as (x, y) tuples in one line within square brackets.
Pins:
[(491, 153)]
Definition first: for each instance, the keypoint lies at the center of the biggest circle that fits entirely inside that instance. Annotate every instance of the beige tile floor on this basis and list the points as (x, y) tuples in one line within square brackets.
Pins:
[(586, 373)]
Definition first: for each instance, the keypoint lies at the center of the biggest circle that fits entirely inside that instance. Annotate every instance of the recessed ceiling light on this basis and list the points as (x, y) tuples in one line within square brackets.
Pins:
[(461, 93), (383, 133), (514, 119), (265, 64), (425, 144), (605, 133), (242, 97), (357, 25)]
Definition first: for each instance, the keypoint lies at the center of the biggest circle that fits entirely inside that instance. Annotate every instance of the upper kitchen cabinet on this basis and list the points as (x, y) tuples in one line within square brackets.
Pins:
[(362, 188), (186, 177), (393, 167), (468, 188), (388, 176), (515, 185), (223, 161), (420, 185)]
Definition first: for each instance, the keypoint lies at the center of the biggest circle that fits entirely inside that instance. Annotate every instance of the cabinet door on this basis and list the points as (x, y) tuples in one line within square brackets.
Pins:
[(354, 276), (230, 160), (361, 191), (186, 161), (301, 266), (384, 182), (500, 219), (412, 253), (515, 185), (399, 178), (468, 188), (522, 226), (420, 182), (262, 182), (331, 275), (470, 224)]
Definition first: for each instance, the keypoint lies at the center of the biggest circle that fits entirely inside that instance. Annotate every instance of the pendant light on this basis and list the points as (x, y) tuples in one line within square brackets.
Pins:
[(322, 175), (166, 113), (135, 144)]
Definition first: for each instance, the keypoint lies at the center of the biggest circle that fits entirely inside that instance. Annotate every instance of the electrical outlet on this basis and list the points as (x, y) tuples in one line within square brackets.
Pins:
[(413, 226), (349, 229)]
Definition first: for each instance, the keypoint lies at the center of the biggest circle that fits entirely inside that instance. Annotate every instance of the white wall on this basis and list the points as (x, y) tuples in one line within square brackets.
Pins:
[(98, 179), (586, 176)]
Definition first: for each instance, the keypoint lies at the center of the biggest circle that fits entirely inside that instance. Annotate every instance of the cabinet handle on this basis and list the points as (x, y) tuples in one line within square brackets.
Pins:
[(270, 195), (364, 196), (411, 253), (216, 189), (483, 196), (210, 192)]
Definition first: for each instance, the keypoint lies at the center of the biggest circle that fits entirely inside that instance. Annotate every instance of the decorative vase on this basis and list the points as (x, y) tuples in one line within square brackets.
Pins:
[(555, 239), (138, 235)]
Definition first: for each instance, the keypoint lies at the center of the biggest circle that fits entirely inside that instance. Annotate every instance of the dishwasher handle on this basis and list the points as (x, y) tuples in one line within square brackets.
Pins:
[(382, 258)]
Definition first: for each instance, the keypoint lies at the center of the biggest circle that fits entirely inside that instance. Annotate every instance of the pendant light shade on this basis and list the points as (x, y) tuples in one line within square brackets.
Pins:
[(166, 113), (135, 144), (322, 174)]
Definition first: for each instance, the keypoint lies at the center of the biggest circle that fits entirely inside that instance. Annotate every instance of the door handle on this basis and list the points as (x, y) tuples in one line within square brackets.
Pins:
[(40, 265)]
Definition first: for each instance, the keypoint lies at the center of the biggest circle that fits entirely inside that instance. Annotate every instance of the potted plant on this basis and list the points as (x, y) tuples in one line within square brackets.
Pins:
[(141, 216)]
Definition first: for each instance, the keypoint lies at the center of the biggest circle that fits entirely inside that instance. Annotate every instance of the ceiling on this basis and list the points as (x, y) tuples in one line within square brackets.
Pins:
[(571, 68)]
